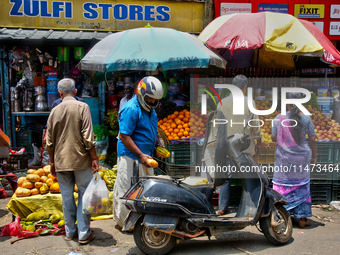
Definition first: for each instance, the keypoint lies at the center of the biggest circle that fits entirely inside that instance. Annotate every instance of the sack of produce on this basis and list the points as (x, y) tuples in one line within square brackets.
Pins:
[(96, 197)]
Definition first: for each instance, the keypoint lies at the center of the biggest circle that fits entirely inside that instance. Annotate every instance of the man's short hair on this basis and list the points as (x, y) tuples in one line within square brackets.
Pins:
[(130, 84), (240, 81), (67, 85)]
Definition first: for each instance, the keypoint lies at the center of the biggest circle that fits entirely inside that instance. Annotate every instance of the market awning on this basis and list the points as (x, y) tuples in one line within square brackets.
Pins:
[(38, 34)]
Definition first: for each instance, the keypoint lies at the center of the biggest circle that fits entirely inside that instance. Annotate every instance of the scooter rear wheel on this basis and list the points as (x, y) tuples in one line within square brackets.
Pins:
[(152, 241), (279, 230)]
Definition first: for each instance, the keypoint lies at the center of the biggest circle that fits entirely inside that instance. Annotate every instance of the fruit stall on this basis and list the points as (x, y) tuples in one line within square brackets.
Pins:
[(38, 191)]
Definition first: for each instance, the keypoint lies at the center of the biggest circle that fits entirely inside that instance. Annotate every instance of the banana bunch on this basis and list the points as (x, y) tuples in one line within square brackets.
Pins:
[(202, 182), (109, 177)]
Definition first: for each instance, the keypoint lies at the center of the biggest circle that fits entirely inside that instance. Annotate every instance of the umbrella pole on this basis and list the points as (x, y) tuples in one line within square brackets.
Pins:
[(256, 77)]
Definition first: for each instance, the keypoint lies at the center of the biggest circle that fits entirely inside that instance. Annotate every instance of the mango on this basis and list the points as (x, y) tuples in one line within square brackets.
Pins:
[(41, 215), (55, 218), (31, 228), (61, 223)]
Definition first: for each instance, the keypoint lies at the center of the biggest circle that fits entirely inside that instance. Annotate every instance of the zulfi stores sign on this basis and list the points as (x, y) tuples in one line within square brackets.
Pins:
[(102, 15)]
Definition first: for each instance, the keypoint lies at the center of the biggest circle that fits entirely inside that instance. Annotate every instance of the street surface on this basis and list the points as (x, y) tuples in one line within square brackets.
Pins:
[(321, 238)]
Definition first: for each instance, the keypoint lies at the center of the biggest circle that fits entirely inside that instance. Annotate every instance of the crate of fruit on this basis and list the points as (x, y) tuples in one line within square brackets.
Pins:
[(325, 152), (267, 155), (336, 153), (182, 154)]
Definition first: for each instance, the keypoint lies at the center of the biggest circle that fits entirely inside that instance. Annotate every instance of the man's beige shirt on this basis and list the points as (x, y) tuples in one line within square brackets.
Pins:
[(237, 120), (70, 135)]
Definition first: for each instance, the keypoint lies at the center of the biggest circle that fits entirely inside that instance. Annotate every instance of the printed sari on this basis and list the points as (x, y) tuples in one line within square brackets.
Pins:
[(292, 164)]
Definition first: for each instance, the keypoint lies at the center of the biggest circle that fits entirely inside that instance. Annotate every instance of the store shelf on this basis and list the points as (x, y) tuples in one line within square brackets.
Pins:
[(30, 113)]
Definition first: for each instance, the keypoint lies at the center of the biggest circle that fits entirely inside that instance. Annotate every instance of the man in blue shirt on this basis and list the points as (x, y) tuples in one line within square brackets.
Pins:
[(137, 139)]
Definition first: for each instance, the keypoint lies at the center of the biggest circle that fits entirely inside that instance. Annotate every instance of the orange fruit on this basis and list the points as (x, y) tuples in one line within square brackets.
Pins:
[(180, 134), (187, 129), (201, 125), (173, 125), (160, 122), (170, 130), (185, 133), (165, 119), (173, 116), (176, 113), (176, 130), (181, 130), (181, 117), (179, 126), (185, 120), (185, 125), (170, 137)]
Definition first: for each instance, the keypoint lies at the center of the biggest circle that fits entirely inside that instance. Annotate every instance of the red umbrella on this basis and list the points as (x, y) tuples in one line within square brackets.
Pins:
[(280, 40)]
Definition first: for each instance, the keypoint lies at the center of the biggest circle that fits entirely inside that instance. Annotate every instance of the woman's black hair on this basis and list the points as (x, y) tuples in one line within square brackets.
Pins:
[(295, 115)]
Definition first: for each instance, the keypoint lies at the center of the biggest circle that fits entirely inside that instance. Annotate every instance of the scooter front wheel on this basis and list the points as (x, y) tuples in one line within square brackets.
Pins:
[(151, 241), (277, 227)]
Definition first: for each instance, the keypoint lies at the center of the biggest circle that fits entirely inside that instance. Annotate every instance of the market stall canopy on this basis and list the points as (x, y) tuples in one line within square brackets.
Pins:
[(269, 40), (147, 49), (38, 34)]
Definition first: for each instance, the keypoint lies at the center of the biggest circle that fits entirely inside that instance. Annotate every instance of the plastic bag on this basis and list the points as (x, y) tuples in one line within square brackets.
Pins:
[(15, 229), (36, 160), (96, 197), (102, 142)]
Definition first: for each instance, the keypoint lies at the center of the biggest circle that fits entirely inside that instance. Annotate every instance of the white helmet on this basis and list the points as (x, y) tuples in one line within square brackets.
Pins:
[(151, 87)]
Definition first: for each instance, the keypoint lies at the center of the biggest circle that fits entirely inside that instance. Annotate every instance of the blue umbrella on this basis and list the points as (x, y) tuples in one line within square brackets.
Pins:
[(147, 49)]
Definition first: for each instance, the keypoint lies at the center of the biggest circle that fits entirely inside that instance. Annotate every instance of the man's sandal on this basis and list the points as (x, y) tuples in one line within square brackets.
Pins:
[(87, 240)]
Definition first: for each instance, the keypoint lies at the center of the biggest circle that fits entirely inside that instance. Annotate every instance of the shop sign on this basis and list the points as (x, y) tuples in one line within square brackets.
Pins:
[(314, 11), (334, 28), (335, 11), (280, 8), (229, 8), (104, 15), (318, 24)]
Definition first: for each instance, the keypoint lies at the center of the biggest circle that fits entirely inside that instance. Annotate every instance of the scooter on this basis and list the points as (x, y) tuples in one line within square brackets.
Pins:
[(165, 210)]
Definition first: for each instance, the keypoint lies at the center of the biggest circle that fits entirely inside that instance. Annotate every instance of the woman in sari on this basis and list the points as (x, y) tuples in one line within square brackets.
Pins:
[(293, 158)]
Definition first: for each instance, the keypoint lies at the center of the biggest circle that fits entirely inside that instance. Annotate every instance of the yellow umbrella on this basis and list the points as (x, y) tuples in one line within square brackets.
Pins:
[(277, 36)]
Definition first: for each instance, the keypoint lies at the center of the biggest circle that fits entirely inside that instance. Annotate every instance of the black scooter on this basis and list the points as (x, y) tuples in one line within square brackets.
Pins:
[(164, 210)]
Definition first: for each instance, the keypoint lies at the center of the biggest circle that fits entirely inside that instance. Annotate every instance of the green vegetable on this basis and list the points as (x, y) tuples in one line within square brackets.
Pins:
[(45, 232)]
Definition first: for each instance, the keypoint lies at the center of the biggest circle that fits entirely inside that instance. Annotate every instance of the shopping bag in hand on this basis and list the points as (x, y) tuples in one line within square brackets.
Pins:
[(96, 197)]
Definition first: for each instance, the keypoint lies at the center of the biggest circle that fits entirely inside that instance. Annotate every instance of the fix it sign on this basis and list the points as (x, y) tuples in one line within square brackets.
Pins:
[(315, 11)]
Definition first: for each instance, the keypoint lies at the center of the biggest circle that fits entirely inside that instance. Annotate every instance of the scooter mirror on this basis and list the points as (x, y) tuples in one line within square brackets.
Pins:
[(250, 116)]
